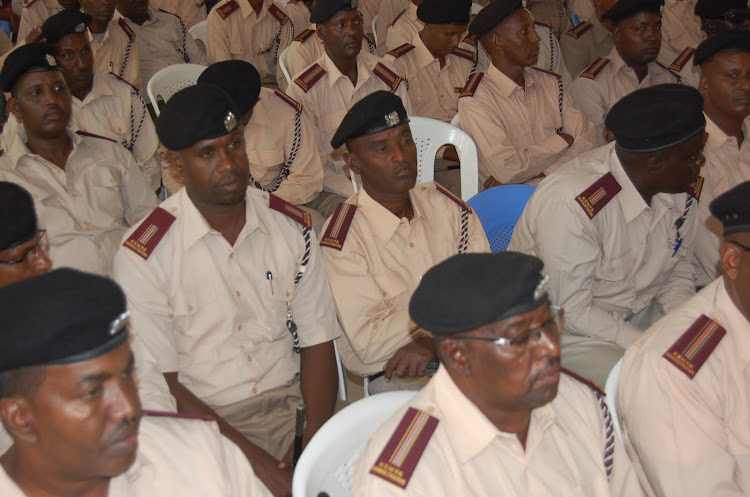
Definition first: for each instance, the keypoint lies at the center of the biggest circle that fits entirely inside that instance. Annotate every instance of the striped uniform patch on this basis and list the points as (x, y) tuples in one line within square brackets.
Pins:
[(399, 458), (450, 195), (471, 85), (578, 31), (682, 59), (465, 54), (693, 348), (290, 210), (128, 30), (286, 98), (338, 227), (471, 40), (594, 69), (402, 50), (227, 9), (307, 79), (279, 14), (390, 78), (304, 35), (150, 232), (696, 188), (595, 197)]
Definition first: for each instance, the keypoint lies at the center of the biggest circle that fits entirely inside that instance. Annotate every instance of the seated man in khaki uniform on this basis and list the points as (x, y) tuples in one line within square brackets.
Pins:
[(589, 40), (190, 11), (380, 242), (68, 398), (405, 27), (684, 383), (500, 416), (35, 12)]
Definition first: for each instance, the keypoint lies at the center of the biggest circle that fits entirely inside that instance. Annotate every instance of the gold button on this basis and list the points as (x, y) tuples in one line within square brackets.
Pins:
[(430, 409), (288, 294), (190, 308), (411, 244), (238, 293), (239, 327), (255, 390), (424, 188), (249, 358), (231, 255), (98, 245)]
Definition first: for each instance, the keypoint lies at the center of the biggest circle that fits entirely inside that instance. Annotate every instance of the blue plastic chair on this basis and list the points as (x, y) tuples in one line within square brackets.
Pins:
[(499, 209)]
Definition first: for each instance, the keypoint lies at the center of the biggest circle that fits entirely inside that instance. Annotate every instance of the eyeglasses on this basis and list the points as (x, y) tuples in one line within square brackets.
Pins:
[(32, 251), (532, 337), (744, 248)]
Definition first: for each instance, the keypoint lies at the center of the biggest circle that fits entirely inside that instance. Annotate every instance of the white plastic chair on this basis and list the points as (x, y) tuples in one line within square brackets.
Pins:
[(610, 388), (341, 372), (430, 135), (282, 64), (170, 80), (198, 32), (327, 463), (475, 8), (375, 29), (455, 122)]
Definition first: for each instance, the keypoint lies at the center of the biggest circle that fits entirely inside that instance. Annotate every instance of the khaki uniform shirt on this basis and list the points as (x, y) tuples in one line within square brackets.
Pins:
[(606, 268), (298, 12), (191, 11), (86, 207), (689, 437), (595, 96), (581, 52), (216, 313), (381, 264), (468, 456), (387, 13), (326, 102), (680, 28), (514, 128), (404, 28), (245, 35), (554, 12), (34, 15), (5, 44), (118, 53), (433, 91)]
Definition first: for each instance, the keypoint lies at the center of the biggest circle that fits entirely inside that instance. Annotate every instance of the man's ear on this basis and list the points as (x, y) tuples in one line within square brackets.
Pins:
[(175, 160), (352, 162), (14, 107), (17, 419), (616, 32), (455, 355), (729, 260)]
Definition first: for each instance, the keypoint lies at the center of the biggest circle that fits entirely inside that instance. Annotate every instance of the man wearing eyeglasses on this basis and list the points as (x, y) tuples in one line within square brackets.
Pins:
[(500, 416), (684, 385)]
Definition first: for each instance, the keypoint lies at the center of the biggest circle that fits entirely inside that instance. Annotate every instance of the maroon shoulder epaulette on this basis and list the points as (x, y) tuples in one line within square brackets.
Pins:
[(690, 352), (471, 85), (126, 81), (586, 381), (2, 152), (227, 9), (286, 98), (94, 135), (695, 188), (403, 49), (677, 76), (594, 69), (397, 17), (150, 232), (307, 79), (290, 210), (279, 14), (390, 78), (578, 31), (466, 54), (401, 454), (682, 59), (29, 3), (128, 30), (450, 195), (471, 40), (368, 39), (553, 73), (304, 35), (595, 197), (338, 226), (543, 23), (179, 415)]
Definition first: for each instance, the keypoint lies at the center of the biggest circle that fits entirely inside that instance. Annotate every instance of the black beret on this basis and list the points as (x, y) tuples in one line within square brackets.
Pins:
[(325, 9), (468, 291), (628, 8), (376, 112), (17, 216), (240, 79), (195, 113), (733, 40), (493, 14), (732, 208), (656, 118), (26, 58), (65, 23), (444, 12), (714, 9), (60, 317)]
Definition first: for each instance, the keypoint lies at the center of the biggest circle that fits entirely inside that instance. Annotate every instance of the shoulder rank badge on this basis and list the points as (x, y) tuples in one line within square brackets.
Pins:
[(29, 3), (390, 78), (307, 79), (471, 40), (150, 232), (471, 85), (695, 189), (677, 77), (286, 98), (469, 55), (595, 197), (463, 205), (128, 30), (397, 17), (401, 454), (338, 227), (690, 352), (227, 9), (543, 23), (290, 210), (578, 31), (682, 59), (279, 14), (304, 35), (402, 50), (594, 69), (93, 135)]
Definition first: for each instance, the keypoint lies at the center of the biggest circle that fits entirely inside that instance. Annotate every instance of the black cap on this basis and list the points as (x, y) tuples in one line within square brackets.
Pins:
[(493, 14), (628, 8), (442, 12), (60, 317), (715, 9), (240, 79), (734, 40), (26, 58), (65, 23), (468, 291), (656, 118), (195, 113), (376, 112), (325, 9), (732, 208), (18, 223)]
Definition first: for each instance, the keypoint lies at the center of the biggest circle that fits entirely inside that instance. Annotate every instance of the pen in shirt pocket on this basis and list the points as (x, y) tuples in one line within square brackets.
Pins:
[(269, 277)]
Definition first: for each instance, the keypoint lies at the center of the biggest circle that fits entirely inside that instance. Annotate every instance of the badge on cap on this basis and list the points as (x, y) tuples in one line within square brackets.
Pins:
[(392, 119), (354, 4), (119, 323), (523, 3), (661, 9), (50, 60), (230, 122), (541, 288), (80, 28)]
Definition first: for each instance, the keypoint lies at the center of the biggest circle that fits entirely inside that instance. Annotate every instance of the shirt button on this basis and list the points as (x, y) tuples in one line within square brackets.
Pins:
[(190, 308), (288, 294), (98, 245), (411, 244), (75, 195), (239, 327), (249, 359), (231, 255), (255, 390), (238, 293)]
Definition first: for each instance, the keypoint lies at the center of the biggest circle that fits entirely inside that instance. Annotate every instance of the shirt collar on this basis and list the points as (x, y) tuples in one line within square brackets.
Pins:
[(260, 114), (383, 222), (619, 64), (247, 9), (424, 56), (508, 86), (332, 72), (631, 201), (99, 87), (15, 141), (717, 137)]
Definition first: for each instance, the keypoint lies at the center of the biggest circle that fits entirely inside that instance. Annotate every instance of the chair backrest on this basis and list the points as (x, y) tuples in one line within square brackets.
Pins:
[(341, 372), (499, 209), (198, 32), (610, 388), (327, 463), (375, 30), (282, 64), (431, 134), (170, 80)]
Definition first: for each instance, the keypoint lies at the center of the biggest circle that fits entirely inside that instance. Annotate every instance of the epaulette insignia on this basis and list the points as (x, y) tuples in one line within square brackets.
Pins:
[(690, 352), (595, 197), (286, 98), (543, 23), (401, 454), (126, 81), (93, 135), (578, 31), (338, 226), (586, 381), (227, 9), (465, 54), (677, 76), (290, 210), (390, 78), (279, 14), (178, 415), (471, 40), (553, 73), (450, 195), (471, 85), (307, 79), (150, 232), (695, 188), (682, 59), (128, 30), (403, 49), (304, 35), (397, 17), (29, 3), (594, 69)]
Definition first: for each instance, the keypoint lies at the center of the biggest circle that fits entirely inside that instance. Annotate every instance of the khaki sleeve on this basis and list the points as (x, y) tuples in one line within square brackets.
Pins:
[(592, 103), (138, 196), (217, 38), (145, 142)]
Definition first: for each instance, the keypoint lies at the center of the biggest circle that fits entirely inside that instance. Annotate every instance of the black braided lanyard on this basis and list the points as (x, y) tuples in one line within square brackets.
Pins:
[(292, 155), (560, 103), (184, 41), (134, 132), (678, 224), (463, 243), (609, 446), (290, 324), (551, 52), (128, 48), (275, 42)]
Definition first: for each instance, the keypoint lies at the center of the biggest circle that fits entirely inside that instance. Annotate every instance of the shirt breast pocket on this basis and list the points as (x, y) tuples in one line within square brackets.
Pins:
[(266, 158), (106, 193), (236, 48), (196, 313)]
